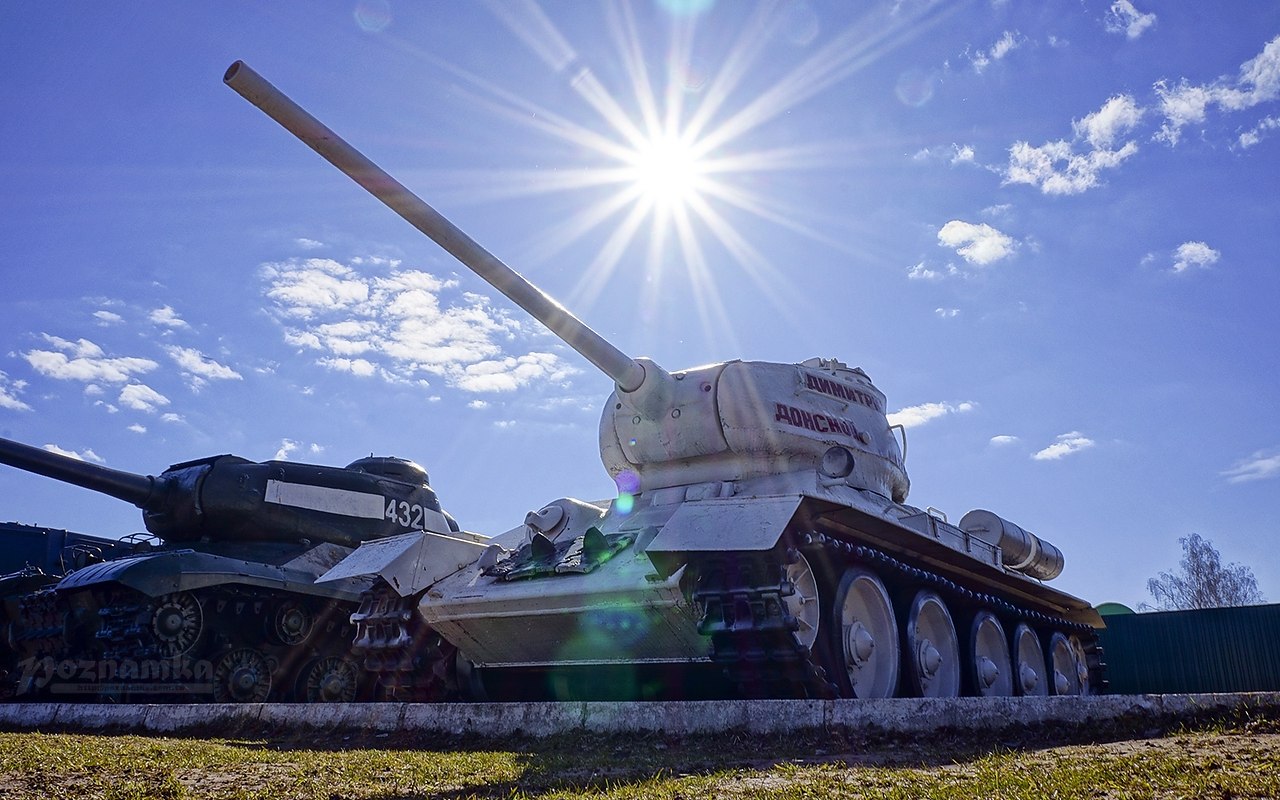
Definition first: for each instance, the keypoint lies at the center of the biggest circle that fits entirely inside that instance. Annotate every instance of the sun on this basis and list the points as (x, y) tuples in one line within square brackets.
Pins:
[(667, 172)]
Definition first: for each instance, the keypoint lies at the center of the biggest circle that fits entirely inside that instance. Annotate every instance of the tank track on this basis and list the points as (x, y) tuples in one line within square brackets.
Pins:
[(227, 644), (407, 660), (753, 637)]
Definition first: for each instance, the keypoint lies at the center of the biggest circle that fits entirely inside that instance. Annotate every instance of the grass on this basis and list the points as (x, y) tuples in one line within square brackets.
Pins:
[(1227, 760)]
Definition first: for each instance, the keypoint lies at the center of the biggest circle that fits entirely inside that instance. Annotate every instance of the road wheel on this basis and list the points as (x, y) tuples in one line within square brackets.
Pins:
[(864, 637), (933, 650), (991, 668), (242, 676), (1028, 663)]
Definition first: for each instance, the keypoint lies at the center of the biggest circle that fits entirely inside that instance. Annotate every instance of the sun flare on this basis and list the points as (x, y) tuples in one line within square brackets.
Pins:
[(667, 172)]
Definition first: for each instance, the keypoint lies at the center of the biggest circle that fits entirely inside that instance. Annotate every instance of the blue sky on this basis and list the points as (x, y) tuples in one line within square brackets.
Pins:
[(1047, 230)]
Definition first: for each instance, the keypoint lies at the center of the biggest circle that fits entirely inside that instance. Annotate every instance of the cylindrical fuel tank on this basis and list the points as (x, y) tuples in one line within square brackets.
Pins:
[(1022, 550)]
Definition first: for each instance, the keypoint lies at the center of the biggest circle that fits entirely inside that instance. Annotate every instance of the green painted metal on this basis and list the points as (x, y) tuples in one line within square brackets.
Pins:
[(1206, 650)]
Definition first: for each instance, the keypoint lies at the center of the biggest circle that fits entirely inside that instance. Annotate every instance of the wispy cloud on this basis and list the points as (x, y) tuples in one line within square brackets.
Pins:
[(1067, 444), (947, 313), (394, 325), (82, 360), (1186, 103), (1057, 168), (1259, 466), (199, 368), (83, 455), (1194, 254), (9, 394), (108, 317), (166, 317), (955, 154), (1124, 18), (977, 243), (1006, 44), (915, 416), (1004, 440), (141, 397), (1254, 135)]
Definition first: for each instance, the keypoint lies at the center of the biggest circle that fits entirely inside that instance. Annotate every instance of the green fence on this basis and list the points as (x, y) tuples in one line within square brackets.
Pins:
[(1207, 650)]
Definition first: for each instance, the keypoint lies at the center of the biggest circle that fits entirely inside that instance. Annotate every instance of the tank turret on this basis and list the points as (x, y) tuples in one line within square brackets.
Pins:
[(723, 422), (760, 542), (231, 498)]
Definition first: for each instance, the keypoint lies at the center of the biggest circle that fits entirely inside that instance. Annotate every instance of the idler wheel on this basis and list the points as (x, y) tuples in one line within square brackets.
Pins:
[(292, 623), (1028, 663), (864, 637), (989, 661), (802, 604), (933, 651), (330, 679), (177, 623), (1067, 665), (242, 676)]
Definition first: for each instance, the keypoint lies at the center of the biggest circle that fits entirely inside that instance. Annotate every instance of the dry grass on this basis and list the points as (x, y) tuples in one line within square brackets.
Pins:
[(1240, 759)]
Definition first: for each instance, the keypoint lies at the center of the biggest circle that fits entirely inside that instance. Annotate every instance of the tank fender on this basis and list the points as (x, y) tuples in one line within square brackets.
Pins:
[(158, 574), (410, 562), (722, 524)]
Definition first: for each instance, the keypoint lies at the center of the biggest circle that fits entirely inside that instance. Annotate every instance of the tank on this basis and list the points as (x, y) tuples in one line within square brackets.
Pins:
[(760, 544), (218, 600), (33, 559)]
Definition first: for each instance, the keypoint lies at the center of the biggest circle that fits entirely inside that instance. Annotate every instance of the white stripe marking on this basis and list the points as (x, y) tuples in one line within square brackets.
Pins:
[(323, 498)]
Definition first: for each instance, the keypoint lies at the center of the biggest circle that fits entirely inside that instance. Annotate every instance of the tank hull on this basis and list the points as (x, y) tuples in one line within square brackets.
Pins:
[(708, 587)]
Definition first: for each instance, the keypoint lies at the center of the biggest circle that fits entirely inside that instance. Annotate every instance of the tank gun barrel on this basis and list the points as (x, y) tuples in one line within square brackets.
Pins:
[(132, 488), (625, 371)]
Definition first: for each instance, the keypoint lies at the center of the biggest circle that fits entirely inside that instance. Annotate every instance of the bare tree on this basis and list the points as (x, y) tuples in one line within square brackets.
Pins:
[(1203, 582)]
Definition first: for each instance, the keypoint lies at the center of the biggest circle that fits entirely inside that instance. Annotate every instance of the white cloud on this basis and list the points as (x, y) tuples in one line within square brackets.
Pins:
[(308, 244), (1194, 254), (977, 243), (998, 211), (955, 154), (141, 397), (167, 317), (108, 317), (199, 367), (947, 313), (1066, 444), (87, 362), (1124, 18), (1262, 464), (914, 416), (1056, 168), (479, 405), (920, 272), (1007, 43), (170, 417), (1186, 104), (136, 428), (398, 325), (1118, 116), (287, 446), (1254, 135), (1004, 440), (85, 455), (9, 394)]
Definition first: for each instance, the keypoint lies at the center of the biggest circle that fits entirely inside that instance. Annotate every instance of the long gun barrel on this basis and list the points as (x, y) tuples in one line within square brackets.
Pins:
[(141, 490), (625, 371)]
